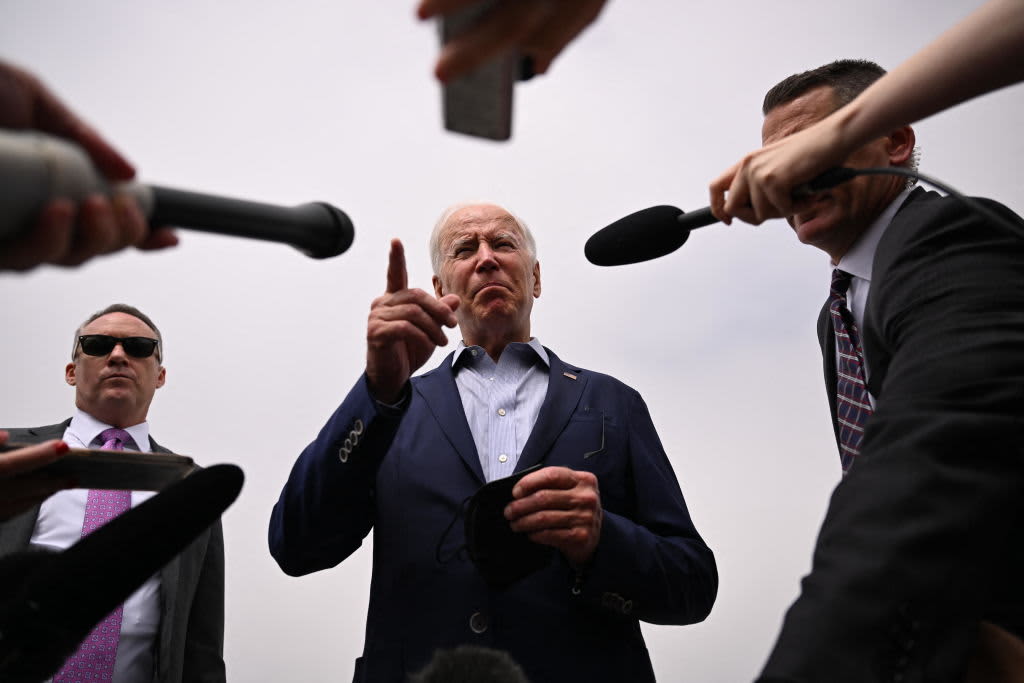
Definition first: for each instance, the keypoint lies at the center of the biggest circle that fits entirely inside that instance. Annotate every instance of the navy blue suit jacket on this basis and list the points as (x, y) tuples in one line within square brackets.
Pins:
[(407, 478)]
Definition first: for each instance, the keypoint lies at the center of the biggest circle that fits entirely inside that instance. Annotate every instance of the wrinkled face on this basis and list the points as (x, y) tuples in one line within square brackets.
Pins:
[(833, 220), (115, 388), (486, 263)]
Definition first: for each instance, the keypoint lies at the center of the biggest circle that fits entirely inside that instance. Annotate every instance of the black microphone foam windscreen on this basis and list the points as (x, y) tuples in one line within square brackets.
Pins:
[(640, 236)]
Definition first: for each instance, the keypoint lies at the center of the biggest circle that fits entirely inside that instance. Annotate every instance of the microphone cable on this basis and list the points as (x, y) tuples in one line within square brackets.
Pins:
[(972, 203)]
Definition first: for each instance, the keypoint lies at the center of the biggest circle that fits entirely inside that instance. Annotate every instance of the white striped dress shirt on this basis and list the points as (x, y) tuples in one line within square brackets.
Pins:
[(501, 400)]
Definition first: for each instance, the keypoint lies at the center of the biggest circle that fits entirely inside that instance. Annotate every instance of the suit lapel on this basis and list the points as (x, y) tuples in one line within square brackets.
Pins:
[(157, 448), (16, 532), (877, 356), (40, 434), (827, 339), (565, 387), (442, 399), (170, 579)]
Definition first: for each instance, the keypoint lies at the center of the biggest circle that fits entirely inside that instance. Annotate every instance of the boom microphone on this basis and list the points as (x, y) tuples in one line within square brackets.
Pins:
[(36, 168), (49, 602), (660, 230)]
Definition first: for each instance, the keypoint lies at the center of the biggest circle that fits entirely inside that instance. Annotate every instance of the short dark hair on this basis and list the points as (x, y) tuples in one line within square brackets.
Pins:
[(847, 78), (121, 308), (470, 664)]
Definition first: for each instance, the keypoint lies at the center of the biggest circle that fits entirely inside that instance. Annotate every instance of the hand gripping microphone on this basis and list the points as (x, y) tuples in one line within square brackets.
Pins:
[(660, 230), (36, 168), (49, 602)]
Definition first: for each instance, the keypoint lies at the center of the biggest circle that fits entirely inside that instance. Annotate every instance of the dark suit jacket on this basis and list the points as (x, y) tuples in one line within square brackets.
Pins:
[(190, 646), (407, 478), (923, 538)]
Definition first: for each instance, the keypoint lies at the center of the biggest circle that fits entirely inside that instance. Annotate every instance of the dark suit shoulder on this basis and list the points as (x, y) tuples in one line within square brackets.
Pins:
[(929, 224), (157, 448), (37, 434), (607, 382), (923, 202), (940, 254)]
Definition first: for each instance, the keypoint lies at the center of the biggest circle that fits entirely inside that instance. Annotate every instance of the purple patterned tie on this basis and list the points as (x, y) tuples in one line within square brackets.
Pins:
[(94, 660), (853, 406)]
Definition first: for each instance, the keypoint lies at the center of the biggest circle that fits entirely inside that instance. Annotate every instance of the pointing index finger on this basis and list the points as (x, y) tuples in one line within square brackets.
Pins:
[(398, 277)]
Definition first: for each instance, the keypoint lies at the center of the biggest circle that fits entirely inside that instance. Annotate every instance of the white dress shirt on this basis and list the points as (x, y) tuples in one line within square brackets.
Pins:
[(59, 525), (858, 262)]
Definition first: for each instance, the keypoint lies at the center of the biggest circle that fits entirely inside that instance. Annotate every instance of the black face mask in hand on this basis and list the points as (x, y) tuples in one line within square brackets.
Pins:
[(501, 555)]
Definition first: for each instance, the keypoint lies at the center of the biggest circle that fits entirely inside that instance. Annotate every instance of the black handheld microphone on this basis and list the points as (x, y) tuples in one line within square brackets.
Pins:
[(317, 229), (643, 235), (35, 168), (660, 230), (49, 602)]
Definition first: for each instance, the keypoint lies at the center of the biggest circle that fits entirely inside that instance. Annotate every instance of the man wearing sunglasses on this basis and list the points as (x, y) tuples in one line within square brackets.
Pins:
[(172, 629)]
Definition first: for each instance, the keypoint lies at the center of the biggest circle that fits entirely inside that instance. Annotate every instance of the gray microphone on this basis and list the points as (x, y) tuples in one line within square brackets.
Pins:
[(37, 168)]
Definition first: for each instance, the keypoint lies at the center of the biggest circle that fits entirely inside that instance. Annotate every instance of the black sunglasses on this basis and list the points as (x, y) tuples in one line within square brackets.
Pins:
[(102, 344)]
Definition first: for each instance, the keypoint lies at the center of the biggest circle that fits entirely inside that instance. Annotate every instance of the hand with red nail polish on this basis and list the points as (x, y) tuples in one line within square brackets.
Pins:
[(21, 485)]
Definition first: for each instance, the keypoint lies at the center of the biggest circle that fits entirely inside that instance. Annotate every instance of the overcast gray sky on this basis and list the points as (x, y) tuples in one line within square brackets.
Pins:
[(334, 101)]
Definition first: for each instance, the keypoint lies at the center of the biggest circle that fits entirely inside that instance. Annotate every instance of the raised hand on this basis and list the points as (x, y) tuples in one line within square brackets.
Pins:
[(404, 328)]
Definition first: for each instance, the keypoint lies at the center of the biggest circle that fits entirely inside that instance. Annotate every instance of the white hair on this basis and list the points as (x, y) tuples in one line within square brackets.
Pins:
[(436, 257)]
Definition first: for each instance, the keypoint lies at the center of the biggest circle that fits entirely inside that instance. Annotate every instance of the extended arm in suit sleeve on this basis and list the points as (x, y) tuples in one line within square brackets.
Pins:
[(327, 506), (650, 561), (917, 533), (204, 639)]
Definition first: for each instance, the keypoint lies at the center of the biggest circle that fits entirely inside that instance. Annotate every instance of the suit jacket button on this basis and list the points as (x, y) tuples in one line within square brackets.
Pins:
[(357, 426), (343, 454), (478, 622)]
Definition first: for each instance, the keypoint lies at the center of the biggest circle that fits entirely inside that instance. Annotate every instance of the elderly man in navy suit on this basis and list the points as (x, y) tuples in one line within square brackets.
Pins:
[(402, 454)]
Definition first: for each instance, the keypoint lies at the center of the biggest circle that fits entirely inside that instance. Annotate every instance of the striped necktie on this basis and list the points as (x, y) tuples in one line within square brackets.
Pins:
[(853, 406)]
